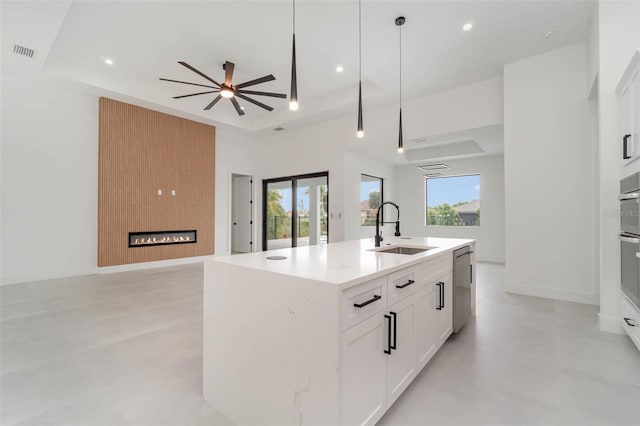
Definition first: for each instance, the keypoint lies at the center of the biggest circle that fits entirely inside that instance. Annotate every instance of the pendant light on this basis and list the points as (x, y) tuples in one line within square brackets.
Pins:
[(360, 131), (293, 98), (400, 22)]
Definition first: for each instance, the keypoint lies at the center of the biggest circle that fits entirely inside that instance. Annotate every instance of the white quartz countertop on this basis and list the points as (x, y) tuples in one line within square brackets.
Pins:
[(344, 263)]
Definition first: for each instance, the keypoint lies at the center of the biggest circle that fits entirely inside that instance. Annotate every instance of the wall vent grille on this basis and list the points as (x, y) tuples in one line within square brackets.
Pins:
[(24, 51), (437, 166)]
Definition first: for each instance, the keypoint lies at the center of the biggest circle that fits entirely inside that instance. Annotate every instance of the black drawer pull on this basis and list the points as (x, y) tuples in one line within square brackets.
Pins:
[(630, 324), (407, 284), (388, 350), (395, 330), (363, 304), (625, 147)]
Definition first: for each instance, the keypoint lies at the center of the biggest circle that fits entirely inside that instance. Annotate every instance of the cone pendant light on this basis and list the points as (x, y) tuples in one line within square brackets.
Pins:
[(400, 22), (293, 97), (360, 131)]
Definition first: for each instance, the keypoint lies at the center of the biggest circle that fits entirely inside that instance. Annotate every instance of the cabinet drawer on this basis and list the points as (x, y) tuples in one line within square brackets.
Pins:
[(434, 269), (631, 321), (363, 301), (402, 283)]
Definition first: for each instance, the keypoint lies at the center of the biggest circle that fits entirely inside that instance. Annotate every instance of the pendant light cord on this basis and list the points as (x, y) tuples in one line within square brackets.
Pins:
[(400, 67), (360, 40), (294, 16)]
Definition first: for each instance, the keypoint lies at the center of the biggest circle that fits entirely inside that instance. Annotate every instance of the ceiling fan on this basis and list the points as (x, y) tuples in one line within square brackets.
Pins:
[(228, 90)]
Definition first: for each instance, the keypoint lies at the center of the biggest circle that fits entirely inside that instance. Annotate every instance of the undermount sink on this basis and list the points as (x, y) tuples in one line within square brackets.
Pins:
[(402, 250)]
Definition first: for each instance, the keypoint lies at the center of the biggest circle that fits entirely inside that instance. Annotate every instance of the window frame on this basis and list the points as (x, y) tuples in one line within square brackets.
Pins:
[(426, 199), (381, 179)]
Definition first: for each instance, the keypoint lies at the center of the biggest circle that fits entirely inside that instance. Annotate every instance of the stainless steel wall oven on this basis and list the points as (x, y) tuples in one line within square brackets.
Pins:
[(630, 237)]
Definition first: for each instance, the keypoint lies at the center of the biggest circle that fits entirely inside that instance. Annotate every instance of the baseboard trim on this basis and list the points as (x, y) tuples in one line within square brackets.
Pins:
[(150, 265), (490, 259), (552, 293), (610, 324)]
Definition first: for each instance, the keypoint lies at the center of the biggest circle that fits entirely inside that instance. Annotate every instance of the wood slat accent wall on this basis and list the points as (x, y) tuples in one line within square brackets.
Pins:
[(142, 151)]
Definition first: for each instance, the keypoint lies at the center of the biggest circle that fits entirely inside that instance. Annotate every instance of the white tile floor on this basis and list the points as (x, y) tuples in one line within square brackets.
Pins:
[(126, 349)]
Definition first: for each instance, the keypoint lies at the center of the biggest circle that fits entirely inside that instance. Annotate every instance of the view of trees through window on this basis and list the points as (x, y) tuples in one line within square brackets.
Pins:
[(370, 199), (453, 201)]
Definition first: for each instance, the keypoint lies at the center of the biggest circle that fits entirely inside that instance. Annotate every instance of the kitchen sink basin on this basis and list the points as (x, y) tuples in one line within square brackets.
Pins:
[(402, 249)]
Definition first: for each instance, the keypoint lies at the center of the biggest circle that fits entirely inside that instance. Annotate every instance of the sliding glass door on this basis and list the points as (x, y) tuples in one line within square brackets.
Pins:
[(294, 211)]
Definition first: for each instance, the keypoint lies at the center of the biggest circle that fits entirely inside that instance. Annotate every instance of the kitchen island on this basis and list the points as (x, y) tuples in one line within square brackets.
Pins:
[(332, 334)]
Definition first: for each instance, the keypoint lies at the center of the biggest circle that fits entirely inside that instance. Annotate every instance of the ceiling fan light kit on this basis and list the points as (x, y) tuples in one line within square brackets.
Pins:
[(228, 90), (400, 22)]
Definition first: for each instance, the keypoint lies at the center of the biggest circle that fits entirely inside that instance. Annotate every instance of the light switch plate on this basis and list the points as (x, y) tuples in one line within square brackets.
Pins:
[(173, 192), (159, 191)]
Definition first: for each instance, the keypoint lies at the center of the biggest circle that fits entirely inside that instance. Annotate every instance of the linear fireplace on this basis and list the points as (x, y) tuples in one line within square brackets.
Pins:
[(162, 238)]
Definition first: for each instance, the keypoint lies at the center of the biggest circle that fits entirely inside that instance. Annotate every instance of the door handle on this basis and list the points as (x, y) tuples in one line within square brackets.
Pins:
[(625, 145), (630, 324), (388, 350), (629, 239), (395, 330)]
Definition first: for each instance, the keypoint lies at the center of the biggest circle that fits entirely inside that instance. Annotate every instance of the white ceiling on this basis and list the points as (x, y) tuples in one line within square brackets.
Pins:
[(146, 39)]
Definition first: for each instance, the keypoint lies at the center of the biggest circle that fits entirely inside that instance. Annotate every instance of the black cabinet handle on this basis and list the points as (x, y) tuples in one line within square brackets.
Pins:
[(395, 330), (408, 283), (625, 149), (630, 324), (439, 307), (363, 304), (388, 350), (471, 274), (442, 290)]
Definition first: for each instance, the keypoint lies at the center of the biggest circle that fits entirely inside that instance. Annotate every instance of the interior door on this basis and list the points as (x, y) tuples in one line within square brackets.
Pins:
[(242, 214)]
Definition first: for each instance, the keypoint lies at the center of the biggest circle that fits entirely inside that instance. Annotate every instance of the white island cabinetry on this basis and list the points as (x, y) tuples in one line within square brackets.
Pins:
[(331, 335)]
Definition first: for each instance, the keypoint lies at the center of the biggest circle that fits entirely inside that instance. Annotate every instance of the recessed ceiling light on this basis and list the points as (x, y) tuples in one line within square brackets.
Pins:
[(108, 61), (467, 26), (549, 33), (339, 68)]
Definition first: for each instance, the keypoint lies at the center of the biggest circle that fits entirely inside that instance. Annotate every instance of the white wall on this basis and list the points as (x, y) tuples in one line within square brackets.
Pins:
[(234, 155), (619, 36), (549, 243), (410, 187), (49, 181)]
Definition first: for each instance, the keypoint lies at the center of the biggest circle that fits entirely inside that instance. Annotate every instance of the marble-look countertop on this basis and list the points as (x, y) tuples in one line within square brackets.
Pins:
[(344, 263)]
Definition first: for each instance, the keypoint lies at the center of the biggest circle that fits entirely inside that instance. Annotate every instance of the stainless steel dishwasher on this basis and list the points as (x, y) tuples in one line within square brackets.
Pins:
[(461, 287)]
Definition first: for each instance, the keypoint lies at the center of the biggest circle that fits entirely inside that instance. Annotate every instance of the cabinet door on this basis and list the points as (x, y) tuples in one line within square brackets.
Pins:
[(401, 363), (363, 376), (445, 313), (426, 320)]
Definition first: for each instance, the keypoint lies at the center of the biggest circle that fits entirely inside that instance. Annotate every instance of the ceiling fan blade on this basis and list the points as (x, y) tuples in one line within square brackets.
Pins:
[(215, 101), (253, 92), (260, 80), (186, 82), (186, 65), (253, 101), (228, 73), (195, 94), (236, 105)]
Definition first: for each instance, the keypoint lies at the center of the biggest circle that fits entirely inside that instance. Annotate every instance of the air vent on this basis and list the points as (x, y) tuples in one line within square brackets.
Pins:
[(24, 51), (437, 166), (419, 140), (279, 129), (433, 175)]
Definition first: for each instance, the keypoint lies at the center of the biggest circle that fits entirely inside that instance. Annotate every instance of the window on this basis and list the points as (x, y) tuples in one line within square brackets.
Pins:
[(453, 201), (371, 196)]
